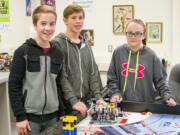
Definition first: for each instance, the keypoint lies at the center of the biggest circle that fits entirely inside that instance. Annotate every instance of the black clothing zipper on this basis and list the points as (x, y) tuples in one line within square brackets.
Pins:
[(45, 86)]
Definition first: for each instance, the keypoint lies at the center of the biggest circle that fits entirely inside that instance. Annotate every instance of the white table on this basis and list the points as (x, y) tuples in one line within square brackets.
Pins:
[(5, 122)]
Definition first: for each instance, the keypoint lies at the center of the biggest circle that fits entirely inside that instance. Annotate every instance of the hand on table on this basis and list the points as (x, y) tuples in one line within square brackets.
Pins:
[(171, 102), (116, 99), (81, 107), (100, 101)]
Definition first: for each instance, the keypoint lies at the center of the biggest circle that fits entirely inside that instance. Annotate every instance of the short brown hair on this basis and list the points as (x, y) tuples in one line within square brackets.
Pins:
[(73, 8), (42, 9)]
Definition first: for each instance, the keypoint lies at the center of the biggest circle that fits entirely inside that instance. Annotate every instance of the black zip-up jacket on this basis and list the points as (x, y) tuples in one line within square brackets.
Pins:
[(33, 82)]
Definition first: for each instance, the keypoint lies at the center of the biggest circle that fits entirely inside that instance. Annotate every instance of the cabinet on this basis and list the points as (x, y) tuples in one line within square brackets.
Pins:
[(5, 122)]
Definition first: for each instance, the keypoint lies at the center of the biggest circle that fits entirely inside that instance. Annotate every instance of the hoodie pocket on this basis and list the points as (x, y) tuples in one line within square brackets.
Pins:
[(33, 64), (56, 65)]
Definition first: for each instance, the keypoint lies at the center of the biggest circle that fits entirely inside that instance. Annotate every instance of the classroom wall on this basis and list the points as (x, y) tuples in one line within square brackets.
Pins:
[(19, 27), (99, 18), (148, 10), (175, 32)]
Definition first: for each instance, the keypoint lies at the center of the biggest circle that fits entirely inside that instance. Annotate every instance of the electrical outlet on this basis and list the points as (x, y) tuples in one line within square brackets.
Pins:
[(110, 48)]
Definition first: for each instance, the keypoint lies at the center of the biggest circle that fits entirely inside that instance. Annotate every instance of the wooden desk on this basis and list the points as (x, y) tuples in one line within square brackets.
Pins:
[(5, 122)]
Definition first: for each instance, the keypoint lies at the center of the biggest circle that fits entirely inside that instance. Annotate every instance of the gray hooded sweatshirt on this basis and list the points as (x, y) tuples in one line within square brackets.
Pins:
[(144, 77), (80, 77)]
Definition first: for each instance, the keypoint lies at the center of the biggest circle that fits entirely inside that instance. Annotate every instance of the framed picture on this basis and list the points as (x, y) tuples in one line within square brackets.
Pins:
[(28, 8), (88, 35), (121, 15), (154, 32)]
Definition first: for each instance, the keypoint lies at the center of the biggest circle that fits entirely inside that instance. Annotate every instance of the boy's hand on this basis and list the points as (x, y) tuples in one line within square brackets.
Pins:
[(171, 102), (23, 127), (116, 99), (81, 107), (100, 101)]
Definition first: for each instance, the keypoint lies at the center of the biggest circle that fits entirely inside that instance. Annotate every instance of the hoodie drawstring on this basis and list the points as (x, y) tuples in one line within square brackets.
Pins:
[(91, 60), (136, 71), (127, 71), (68, 59)]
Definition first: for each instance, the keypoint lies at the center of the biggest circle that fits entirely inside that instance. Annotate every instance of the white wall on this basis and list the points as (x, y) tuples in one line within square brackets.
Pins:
[(176, 30), (19, 27), (99, 18)]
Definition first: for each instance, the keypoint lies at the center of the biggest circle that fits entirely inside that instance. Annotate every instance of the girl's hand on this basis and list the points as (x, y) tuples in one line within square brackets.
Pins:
[(171, 102), (116, 99)]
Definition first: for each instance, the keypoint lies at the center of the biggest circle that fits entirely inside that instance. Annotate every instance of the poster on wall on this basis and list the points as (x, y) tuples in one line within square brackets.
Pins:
[(49, 2), (28, 8), (86, 4), (121, 15), (31, 5), (154, 32), (4, 14)]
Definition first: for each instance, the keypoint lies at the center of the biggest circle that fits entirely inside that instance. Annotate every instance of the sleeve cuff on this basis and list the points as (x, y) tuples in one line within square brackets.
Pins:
[(98, 96), (168, 97), (21, 117), (73, 100)]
